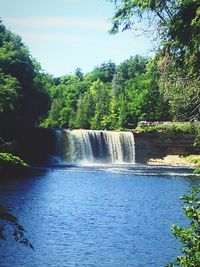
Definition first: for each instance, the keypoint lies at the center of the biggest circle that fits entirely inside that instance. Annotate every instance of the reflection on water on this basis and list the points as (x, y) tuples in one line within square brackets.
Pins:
[(96, 215)]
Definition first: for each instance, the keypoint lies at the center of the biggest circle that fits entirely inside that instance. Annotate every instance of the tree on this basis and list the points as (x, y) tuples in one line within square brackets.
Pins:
[(102, 94), (9, 93), (105, 72), (24, 99), (82, 118), (78, 72), (178, 26), (175, 21), (180, 89), (18, 230), (190, 238), (130, 68), (65, 97)]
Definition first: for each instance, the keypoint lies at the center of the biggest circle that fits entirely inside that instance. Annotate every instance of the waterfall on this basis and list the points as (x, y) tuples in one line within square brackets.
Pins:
[(88, 146)]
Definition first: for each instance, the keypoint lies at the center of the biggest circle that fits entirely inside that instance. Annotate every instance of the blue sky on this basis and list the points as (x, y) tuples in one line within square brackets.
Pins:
[(66, 34)]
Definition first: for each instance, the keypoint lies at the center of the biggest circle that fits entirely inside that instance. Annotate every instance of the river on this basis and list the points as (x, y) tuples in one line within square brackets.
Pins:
[(96, 215)]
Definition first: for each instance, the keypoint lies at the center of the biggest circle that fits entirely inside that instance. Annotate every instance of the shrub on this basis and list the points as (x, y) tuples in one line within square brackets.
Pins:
[(190, 238), (169, 128), (7, 159)]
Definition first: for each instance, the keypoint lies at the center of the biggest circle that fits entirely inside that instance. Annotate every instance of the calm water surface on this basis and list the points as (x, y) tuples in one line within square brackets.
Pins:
[(96, 216)]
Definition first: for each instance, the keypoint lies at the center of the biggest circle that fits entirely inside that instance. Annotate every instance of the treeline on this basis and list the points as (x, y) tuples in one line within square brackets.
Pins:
[(109, 97)]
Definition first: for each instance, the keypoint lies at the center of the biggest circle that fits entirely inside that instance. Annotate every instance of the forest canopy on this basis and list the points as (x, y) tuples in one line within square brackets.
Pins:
[(109, 97)]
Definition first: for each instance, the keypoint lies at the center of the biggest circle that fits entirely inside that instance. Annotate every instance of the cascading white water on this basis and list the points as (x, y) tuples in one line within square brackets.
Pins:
[(88, 146), (80, 146), (56, 157)]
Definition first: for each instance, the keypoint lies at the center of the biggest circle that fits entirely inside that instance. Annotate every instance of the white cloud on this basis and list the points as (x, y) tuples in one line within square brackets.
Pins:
[(58, 22), (54, 37), (71, 1)]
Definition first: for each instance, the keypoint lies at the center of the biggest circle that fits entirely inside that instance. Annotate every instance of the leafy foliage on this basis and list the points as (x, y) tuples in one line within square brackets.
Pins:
[(196, 160), (9, 93), (9, 159), (189, 237), (109, 97), (177, 24), (117, 97), (18, 230), (169, 128), (23, 86), (180, 89)]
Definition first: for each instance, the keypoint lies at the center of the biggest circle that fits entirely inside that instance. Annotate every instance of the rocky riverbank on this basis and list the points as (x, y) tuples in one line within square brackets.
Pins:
[(158, 145), (171, 160)]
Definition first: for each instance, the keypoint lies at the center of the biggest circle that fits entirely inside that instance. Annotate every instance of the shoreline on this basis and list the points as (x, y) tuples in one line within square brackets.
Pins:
[(171, 160)]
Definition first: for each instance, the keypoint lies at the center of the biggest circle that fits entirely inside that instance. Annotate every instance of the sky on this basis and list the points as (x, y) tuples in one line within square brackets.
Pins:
[(64, 35)]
